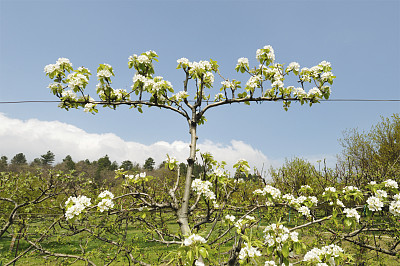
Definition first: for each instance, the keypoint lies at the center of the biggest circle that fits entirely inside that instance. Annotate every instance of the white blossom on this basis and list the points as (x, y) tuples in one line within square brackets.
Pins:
[(105, 204), (374, 203), (88, 107), (75, 205), (104, 73), (139, 77), (248, 251), (230, 218), (304, 210), (199, 263), (69, 94), (381, 194), (269, 52), (76, 79), (325, 64), (143, 59), (200, 66), (313, 200), (339, 203), (299, 92), (243, 61), (51, 68), (227, 84), (391, 183), (270, 190), (183, 61), (193, 239), (203, 188), (314, 92), (325, 76), (352, 213), (277, 83), (350, 189), (316, 255), (180, 95), (106, 194), (293, 66), (394, 208), (254, 81), (63, 60)]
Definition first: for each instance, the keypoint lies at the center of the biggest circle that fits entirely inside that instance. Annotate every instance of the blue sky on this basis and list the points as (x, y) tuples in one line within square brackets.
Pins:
[(361, 39)]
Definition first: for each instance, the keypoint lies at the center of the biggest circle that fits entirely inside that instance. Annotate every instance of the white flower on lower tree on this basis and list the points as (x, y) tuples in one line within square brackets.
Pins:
[(352, 213), (374, 203), (105, 205), (248, 251), (193, 239), (75, 205), (391, 183), (304, 210), (106, 194), (394, 208)]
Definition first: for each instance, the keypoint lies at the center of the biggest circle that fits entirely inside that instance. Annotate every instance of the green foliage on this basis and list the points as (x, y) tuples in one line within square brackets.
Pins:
[(47, 159), (373, 155), (149, 164), (19, 159)]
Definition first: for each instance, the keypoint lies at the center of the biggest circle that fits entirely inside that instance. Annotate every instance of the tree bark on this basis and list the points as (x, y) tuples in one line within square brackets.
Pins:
[(183, 212)]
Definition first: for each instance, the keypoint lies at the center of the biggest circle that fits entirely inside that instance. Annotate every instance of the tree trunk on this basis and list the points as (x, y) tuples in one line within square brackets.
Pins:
[(183, 212)]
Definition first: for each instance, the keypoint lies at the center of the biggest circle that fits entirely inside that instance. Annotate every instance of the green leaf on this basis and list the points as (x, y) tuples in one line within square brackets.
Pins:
[(203, 252), (285, 250), (190, 255), (347, 222)]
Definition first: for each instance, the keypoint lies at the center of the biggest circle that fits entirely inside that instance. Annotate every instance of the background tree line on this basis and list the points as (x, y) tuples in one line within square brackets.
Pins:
[(366, 156)]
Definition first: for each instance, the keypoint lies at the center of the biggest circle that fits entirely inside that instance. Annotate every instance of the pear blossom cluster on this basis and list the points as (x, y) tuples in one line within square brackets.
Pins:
[(314, 92), (374, 203), (69, 94), (277, 234), (144, 58), (179, 96), (77, 80), (391, 184), (243, 62), (394, 206), (293, 66), (254, 82), (248, 251), (61, 63), (106, 202), (227, 84), (193, 239), (157, 85), (352, 213), (75, 205), (244, 221), (137, 178), (338, 202), (219, 97), (348, 189), (183, 61), (304, 210), (324, 254), (268, 190), (203, 188), (265, 54), (299, 92), (230, 218)]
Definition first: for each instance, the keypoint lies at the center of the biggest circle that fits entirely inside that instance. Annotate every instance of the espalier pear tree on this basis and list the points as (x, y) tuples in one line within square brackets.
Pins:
[(198, 94)]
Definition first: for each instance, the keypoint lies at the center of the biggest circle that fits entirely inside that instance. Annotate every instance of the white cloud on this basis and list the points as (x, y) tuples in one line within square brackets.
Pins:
[(34, 137)]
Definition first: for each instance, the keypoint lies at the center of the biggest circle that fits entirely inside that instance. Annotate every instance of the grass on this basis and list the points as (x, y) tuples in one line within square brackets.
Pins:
[(153, 252)]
